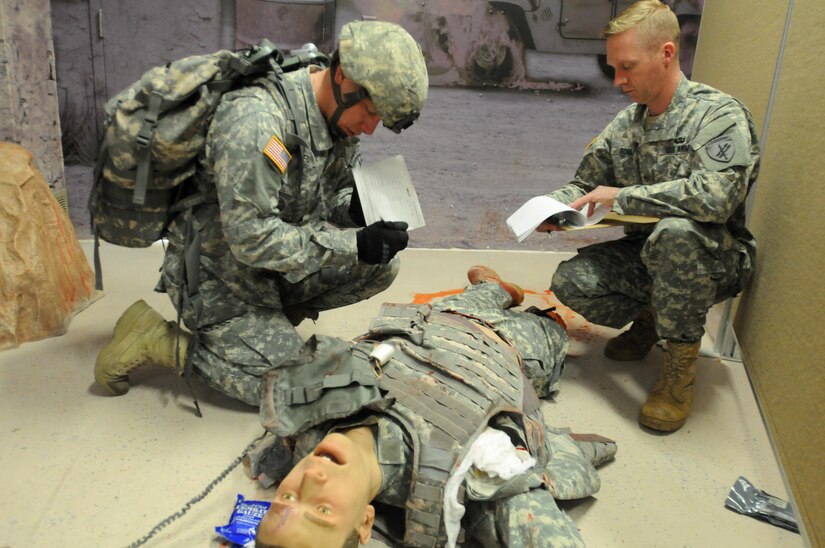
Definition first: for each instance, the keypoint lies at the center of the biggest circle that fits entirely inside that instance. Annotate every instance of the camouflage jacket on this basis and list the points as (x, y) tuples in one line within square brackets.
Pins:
[(698, 159), (426, 403), (277, 183)]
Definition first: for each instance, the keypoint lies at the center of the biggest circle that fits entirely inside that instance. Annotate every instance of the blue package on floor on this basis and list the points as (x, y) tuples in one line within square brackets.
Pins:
[(244, 521)]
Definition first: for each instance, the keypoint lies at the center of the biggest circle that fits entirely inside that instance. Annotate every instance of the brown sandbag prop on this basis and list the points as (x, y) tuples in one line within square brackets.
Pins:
[(45, 277)]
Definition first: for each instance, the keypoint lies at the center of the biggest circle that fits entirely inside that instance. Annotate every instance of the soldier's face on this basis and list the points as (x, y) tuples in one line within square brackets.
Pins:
[(640, 72), (323, 498), (359, 119)]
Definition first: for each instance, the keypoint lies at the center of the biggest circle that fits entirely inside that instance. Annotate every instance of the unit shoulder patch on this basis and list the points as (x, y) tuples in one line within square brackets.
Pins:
[(277, 153), (722, 149)]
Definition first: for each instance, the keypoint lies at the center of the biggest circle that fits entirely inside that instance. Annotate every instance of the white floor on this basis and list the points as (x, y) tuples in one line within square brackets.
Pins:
[(83, 469)]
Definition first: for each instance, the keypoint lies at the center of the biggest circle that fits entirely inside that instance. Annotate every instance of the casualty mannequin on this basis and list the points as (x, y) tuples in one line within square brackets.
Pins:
[(392, 416)]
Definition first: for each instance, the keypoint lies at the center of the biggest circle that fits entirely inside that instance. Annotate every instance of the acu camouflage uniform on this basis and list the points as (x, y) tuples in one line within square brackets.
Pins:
[(446, 381), (692, 166), (271, 246)]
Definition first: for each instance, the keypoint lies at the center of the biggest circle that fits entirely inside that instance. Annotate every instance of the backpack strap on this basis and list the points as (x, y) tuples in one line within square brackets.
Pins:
[(277, 84), (275, 76), (189, 295), (97, 176), (143, 140)]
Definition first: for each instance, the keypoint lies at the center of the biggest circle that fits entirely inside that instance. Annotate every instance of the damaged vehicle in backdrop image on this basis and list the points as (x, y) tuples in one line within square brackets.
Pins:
[(502, 43), (505, 42)]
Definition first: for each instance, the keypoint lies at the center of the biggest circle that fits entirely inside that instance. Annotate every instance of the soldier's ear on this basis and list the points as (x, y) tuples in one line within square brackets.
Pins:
[(365, 527), (339, 75), (668, 53)]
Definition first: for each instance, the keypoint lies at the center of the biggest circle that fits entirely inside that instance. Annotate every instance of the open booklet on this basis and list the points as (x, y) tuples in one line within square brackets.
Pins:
[(387, 194), (538, 209)]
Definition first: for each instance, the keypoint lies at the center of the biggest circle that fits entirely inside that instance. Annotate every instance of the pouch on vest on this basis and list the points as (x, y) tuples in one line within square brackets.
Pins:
[(408, 320), (327, 380)]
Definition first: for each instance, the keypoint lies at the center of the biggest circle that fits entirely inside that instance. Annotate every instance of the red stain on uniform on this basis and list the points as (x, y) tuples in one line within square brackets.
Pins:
[(530, 517), (424, 298)]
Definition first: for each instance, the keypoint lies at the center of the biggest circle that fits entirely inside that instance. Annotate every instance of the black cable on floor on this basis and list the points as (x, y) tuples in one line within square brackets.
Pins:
[(194, 500)]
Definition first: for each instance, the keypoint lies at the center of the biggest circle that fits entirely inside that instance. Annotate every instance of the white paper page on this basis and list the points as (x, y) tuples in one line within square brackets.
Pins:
[(387, 193), (535, 210), (599, 213)]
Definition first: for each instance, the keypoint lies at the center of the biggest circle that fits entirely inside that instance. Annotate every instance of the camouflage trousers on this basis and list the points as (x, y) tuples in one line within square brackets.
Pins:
[(542, 342), (238, 340), (527, 520), (682, 269)]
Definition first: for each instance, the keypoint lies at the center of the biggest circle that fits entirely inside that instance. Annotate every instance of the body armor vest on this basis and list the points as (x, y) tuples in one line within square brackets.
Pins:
[(439, 374)]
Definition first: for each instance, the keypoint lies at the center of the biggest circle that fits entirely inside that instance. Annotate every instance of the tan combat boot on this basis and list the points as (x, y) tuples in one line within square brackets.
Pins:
[(635, 343), (141, 337), (668, 404), (480, 273)]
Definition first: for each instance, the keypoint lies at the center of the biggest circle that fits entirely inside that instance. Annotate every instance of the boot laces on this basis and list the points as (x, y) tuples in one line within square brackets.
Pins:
[(674, 371), (677, 364)]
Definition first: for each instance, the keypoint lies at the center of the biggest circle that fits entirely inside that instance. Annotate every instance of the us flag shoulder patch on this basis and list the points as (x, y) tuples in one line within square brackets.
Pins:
[(277, 152)]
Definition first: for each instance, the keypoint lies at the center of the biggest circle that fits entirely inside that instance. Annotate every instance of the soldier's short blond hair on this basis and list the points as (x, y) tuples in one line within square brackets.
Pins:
[(654, 21)]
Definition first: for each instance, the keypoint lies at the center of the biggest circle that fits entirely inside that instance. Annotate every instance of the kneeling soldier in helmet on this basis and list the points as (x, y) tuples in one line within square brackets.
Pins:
[(280, 235)]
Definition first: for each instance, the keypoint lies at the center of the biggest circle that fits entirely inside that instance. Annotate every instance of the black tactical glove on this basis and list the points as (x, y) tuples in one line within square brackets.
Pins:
[(379, 242), (356, 212)]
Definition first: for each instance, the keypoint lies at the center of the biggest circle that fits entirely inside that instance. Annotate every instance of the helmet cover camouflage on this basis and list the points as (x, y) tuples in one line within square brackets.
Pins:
[(386, 61)]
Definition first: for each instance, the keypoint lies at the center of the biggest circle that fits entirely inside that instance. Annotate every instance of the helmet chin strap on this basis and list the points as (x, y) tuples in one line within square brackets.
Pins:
[(342, 101)]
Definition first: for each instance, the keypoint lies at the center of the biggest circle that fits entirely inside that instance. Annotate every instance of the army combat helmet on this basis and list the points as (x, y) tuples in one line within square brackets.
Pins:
[(387, 62)]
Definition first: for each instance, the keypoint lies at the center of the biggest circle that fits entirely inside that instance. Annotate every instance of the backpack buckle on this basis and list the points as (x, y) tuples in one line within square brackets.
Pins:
[(150, 120), (144, 136)]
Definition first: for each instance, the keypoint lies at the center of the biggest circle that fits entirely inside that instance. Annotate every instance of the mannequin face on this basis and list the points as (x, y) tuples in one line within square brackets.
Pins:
[(323, 498)]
